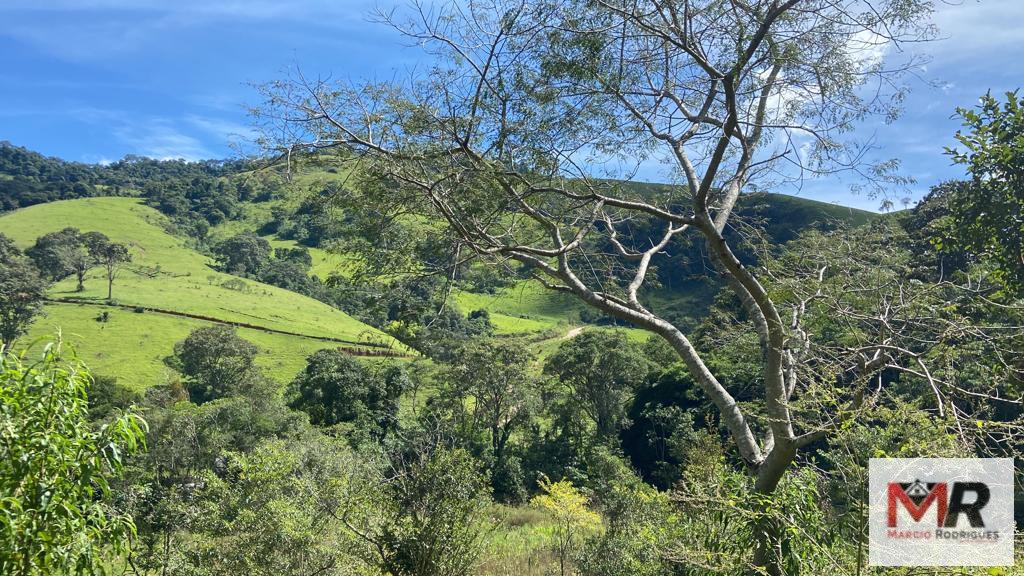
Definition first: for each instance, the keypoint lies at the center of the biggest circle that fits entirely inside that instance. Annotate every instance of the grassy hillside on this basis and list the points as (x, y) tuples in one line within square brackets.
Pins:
[(527, 309), (167, 275)]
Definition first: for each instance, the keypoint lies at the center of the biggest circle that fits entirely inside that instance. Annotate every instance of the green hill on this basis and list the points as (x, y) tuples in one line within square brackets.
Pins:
[(527, 309), (179, 290)]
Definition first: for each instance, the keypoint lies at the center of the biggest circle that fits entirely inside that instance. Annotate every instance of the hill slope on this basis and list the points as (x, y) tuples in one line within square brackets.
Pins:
[(167, 275)]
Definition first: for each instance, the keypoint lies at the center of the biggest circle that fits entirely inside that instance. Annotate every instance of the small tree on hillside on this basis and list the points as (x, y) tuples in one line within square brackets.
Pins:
[(111, 255), (216, 363), (243, 254), (57, 255)]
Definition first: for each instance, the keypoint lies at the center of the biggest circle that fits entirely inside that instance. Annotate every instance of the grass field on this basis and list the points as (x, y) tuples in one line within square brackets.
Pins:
[(168, 275)]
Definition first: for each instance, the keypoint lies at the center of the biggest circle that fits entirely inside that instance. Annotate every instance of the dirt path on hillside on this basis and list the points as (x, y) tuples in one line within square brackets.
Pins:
[(378, 349), (573, 333)]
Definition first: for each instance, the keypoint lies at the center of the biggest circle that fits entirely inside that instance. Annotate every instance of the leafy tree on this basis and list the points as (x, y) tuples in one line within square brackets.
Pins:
[(56, 470), (299, 256), (488, 145), (422, 513), (492, 381), (216, 362), (640, 525), (21, 299), (56, 254), (110, 255), (335, 388), (108, 397), (244, 254), (573, 520), (291, 276), (9, 251), (602, 370), (272, 511), (988, 215)]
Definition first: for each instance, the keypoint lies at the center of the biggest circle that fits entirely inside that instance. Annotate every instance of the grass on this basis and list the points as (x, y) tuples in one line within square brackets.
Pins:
[(133, 346), (168, 275), (526, 308), (521, 545)]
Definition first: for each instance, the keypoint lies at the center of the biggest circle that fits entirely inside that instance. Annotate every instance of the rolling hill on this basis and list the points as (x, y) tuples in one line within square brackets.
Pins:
[(168, 290)]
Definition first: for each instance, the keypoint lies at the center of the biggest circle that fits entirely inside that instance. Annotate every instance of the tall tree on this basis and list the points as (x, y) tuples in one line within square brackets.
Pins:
[(495, 378), (602, 370), (22, 291), (110, 255), (527, 100), (988, 215)]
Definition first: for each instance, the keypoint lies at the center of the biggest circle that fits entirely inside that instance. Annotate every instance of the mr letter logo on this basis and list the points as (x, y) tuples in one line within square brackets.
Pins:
[(941, 512)]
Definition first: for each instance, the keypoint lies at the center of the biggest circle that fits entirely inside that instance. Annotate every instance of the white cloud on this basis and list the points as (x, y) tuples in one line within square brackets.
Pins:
[(153, 136), (162, 139), (971, 27), (221, 128)]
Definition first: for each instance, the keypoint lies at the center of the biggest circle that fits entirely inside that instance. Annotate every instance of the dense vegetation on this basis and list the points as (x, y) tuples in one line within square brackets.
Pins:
[(315, 371)]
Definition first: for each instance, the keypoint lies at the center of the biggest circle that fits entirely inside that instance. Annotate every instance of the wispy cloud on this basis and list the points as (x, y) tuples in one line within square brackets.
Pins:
[(969, 28), (153, 136), (92, 30)]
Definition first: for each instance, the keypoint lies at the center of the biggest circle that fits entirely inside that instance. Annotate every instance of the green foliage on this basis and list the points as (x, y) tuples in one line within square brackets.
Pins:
[(602, 370), (168, 275), (989, 215), (108, 397), (216, 363), (270, 512), (665, 417), (56, 469), (421, 512), (57, 254), (21, 297), (243, 254), (490, 392), (641, 523), (34, 178), (9, 251), (335, 388)]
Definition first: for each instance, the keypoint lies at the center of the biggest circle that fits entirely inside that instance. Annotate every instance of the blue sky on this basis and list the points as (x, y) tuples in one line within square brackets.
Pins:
[(93, 80)]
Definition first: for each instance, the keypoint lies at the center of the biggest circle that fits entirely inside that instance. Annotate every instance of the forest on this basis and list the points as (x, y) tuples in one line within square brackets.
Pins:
[(416, 333)]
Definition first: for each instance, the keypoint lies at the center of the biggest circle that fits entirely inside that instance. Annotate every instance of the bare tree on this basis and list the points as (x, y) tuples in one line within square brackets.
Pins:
[(526, 103)]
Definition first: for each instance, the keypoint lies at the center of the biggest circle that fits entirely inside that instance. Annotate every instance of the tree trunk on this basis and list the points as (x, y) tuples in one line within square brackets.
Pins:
[(768, 557), (81, 281)]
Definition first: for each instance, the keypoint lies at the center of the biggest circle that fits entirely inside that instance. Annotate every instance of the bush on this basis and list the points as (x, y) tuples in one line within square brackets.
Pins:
[(56, 468)]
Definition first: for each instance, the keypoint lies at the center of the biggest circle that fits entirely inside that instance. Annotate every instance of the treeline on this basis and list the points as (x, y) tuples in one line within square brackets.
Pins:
[(195, 195)]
